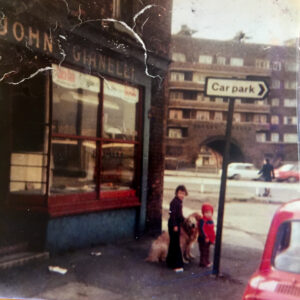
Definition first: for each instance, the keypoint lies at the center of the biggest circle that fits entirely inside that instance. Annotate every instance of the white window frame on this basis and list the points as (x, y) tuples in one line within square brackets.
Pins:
[(236, 61), (177, 76), (276, 65), (262, 64), (275, 119), (290, 102), (205, 59), (261, 137), (290, 137), (178, 57), (221, 60), (275, 102), (275, 137)]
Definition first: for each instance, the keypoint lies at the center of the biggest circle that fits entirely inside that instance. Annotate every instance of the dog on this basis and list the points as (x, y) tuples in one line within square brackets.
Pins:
[(188, 236)]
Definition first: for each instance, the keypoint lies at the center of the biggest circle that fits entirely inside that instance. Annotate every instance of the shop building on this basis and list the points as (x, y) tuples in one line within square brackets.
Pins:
[(196, 123), (81, 113)]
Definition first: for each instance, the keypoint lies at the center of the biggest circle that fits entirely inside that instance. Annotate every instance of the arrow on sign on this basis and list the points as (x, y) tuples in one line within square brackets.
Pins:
[(236, 88)]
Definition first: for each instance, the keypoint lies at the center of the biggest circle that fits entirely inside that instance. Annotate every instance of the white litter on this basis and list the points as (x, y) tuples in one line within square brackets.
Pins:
[(96, 253), (57, 269)]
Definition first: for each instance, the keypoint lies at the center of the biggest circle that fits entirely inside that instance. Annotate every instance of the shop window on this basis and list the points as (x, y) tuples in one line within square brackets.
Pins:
[(237, 62), (30, 133)]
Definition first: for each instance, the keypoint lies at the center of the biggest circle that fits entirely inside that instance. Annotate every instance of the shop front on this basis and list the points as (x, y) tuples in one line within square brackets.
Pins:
[(75, 136)]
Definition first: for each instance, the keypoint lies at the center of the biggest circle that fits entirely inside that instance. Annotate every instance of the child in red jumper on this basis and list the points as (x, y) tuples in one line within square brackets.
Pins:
[(207, 234)]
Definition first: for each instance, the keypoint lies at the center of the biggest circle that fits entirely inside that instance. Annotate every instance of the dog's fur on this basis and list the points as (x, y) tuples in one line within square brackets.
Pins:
[(188, 236)]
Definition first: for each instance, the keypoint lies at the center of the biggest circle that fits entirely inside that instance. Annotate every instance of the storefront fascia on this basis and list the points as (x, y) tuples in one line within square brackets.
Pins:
[(80, 216)]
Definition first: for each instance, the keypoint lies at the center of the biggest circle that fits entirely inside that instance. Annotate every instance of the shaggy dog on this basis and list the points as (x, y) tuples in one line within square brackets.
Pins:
[(188, 236)]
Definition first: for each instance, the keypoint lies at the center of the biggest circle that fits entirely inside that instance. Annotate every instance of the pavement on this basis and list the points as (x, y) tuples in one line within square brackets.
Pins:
[(118, 271)]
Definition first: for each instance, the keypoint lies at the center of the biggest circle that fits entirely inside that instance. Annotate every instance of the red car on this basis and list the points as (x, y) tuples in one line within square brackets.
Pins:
[(278, 277), (288, 172)]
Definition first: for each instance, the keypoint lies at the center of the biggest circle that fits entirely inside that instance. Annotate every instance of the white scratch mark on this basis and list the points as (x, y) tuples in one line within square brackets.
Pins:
[(67, 5), (2, 16), (56, 26), (79, 13), (61, 52), (31, 76), (141, 12), (63, 37), (7, 74), (142, 27)]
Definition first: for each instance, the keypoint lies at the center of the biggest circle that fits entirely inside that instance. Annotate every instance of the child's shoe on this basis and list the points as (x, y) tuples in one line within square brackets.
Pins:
[(178, 270)]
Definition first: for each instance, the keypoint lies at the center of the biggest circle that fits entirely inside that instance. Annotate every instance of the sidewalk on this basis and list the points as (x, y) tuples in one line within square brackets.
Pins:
[(120, 272)]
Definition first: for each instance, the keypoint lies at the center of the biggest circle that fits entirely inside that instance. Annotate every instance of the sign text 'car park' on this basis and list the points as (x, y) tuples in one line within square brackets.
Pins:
[(236, 88)]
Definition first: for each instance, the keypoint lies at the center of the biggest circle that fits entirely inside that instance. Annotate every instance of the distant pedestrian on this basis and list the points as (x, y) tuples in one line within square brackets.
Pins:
[(207, 234), (267, 172), (174, 257)]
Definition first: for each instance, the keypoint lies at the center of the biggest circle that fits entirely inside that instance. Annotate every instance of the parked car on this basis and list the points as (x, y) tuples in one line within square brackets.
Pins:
[(278, 276), (288, 172), (242, 171)]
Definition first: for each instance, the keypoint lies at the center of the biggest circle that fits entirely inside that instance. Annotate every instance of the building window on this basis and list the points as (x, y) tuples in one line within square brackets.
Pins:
[(290, 138), (275, 102), (177, 133), (237, 62), (218, 116), (205, 59), (198, 77), (175, 114), (202, 115), (177, 76), (206, 99), (219, 100), (287, 120), (274, 119), (261, 119), (290, 84), (276, 65), (176, 95), (260, 137), (291, 66), (190, 95), (221, 60), (179, 57), (237, 117), (275, 84), (262, 64), (275, 137), (186, 114), (290, 102)]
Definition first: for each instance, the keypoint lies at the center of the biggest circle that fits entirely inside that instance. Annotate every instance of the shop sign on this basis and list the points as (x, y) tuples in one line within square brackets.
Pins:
[(71, 79)]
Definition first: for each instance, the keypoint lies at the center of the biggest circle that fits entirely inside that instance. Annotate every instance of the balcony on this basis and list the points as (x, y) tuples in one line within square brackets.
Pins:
[(219, 70), (213, 106)]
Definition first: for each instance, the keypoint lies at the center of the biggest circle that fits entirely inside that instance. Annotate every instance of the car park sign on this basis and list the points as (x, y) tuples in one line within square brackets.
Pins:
[(236, 88)]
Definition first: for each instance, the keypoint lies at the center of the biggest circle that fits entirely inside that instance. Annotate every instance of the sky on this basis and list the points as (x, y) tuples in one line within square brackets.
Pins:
[(264, 21)]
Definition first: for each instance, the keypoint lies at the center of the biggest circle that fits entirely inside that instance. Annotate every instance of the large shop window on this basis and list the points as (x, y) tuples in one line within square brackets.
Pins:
[(94, 137), (30, 132)]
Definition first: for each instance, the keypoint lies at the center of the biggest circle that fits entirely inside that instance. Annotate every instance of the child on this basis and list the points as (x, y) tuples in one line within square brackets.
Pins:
[(206, 234), (174, 257)]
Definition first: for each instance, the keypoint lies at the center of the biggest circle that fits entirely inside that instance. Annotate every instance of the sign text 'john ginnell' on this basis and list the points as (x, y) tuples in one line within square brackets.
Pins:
[(30, 36)]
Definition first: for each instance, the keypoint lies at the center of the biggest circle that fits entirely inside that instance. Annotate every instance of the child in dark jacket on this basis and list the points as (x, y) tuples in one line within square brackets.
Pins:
[(207, 234)]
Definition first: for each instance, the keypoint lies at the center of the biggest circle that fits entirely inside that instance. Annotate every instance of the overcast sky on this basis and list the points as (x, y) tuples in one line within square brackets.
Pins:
[(265, 21)]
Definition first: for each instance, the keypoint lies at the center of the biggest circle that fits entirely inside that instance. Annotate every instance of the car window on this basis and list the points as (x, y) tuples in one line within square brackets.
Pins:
[(286, 252), (287, 167)]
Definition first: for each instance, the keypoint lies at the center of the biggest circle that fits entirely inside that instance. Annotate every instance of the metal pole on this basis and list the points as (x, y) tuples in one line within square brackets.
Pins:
[(217, 254)]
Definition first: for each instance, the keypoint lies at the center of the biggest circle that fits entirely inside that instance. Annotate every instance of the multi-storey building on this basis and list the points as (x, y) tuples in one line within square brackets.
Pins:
[(196, 123)]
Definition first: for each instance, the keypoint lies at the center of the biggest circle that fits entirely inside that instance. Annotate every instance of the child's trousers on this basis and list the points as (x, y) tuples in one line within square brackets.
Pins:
[(204, 253)]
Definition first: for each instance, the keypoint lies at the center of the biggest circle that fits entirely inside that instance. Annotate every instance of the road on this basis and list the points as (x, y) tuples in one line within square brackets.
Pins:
[(247, 215)]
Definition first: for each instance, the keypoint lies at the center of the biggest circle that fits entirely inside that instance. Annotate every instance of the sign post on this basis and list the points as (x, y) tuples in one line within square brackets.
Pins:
[(230, 89)]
